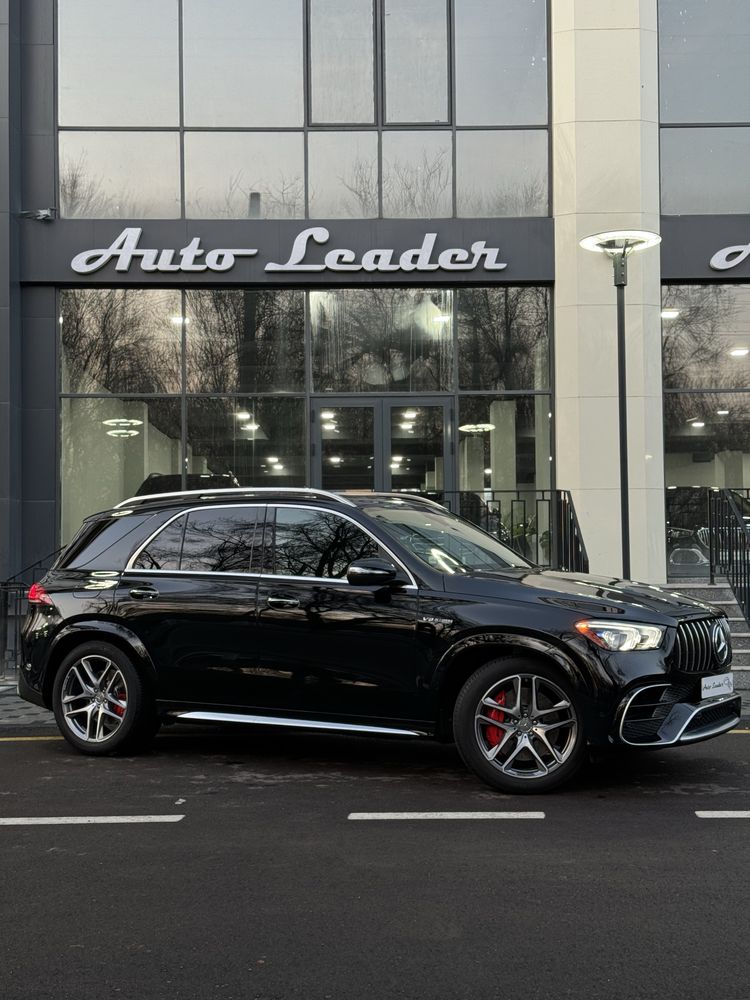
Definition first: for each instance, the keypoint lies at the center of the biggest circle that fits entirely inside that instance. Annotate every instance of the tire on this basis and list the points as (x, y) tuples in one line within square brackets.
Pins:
[(506, 745), (101, 703)]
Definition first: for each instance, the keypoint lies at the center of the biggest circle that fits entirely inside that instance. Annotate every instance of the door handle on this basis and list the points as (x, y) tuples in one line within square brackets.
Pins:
[(282, 602), (144, 593)]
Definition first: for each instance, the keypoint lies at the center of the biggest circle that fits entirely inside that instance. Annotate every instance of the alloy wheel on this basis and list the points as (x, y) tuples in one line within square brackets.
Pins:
[(526, 726), (94, 698)]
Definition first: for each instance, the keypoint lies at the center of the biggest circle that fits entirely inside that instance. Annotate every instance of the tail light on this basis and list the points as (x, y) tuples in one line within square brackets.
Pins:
[(38, 595)]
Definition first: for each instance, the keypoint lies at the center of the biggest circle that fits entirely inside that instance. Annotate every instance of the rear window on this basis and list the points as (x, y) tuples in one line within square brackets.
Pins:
[(107, 542), (209, 540)]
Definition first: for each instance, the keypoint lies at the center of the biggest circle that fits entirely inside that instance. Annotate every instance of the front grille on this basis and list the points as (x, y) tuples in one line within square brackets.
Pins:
[(714, 716), (694, 647)]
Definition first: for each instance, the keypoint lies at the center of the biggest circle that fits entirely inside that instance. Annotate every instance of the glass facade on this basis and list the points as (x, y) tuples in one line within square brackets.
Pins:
[(339, 388), (302, 109), (704, 79)]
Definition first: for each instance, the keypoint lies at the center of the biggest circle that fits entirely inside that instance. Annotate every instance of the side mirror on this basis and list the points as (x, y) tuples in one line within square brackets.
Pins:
[(371, 572)]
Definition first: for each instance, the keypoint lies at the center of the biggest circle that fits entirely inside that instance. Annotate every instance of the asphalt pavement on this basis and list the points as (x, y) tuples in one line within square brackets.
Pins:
[(240, 873)]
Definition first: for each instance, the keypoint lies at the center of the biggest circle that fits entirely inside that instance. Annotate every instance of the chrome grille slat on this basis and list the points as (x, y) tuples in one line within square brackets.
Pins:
[(693, 651)]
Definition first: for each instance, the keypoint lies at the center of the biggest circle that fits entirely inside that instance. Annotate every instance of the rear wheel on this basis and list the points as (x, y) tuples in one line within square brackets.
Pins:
[(101, 703), (518, 726)]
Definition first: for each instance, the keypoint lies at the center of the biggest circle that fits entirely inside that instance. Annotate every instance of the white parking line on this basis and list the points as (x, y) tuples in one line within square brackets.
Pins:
[(722, 814), (447, 815), (77, 820)]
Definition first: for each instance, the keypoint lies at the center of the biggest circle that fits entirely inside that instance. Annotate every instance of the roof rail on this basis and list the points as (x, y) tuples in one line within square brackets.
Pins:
[(403, 495), (247, 491)]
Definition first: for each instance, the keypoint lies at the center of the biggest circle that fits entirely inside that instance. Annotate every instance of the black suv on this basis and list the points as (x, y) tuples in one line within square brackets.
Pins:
[(362, 613)]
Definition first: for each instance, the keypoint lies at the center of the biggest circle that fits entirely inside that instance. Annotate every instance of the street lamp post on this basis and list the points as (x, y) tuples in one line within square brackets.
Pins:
[(619, 245)]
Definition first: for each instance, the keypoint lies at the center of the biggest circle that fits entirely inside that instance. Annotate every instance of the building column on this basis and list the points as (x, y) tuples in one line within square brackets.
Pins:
[(606, 176)]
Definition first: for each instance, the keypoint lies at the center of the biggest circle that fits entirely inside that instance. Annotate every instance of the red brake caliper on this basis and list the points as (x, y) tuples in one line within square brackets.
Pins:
[(120, 695), (493, 734)]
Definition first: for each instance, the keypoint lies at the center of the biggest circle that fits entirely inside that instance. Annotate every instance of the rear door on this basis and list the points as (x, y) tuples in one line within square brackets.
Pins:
[(191, 595)]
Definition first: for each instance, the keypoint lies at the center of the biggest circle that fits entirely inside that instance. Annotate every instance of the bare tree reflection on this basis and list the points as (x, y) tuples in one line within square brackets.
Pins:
[(319, 544)]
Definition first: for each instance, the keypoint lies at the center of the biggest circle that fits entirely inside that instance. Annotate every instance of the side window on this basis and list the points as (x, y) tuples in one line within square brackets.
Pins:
[(317, 543), (163, 552), (223, 540)]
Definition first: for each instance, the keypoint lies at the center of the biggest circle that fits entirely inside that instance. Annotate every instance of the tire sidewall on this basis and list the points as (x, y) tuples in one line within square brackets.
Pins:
[(464, 729), (133, 723)]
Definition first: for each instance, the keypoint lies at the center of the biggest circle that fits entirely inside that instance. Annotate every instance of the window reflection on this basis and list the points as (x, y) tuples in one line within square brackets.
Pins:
[(100, 81), (501, 62), (240, 340), (115, 340), (258, 441), (341, 61), (417, 175), (109, 447), (317, 543), (222, 540), (501, 174), (503, 338), (378, 340), (343, 175), (163, 552), (704, 171), (416, 61), (706, 336), (503, 444), (243, 62), (707, 439), (704, 74), (244, 175), (115, 175)]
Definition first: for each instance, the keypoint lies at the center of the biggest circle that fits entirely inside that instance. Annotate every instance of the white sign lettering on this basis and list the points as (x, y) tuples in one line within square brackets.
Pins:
[(722, 260), (126, 249)]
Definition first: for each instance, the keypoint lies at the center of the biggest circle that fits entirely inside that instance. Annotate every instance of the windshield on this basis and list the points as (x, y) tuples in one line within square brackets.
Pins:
[(443, 541)]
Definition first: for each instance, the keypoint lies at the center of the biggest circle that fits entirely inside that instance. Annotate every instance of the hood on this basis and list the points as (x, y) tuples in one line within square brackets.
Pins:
[(591, 595)]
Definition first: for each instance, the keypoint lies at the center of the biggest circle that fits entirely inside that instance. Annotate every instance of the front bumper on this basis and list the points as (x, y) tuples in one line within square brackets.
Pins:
[(668, 714)]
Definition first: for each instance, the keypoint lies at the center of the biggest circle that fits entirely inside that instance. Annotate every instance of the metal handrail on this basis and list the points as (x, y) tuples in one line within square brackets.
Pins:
[(729, 537)]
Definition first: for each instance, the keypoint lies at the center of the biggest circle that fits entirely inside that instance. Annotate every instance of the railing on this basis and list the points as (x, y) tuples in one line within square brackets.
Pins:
[(729, 542), (13, 593), (540, 525)]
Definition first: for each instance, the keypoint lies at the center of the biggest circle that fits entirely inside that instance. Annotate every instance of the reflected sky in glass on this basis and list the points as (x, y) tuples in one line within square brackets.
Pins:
[(416, 61), (341, 57), (343, 175), (501, 173), (417, 175), (704, 171)]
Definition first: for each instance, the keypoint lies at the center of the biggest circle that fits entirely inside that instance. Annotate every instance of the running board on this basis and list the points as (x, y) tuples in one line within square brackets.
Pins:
[(272, 720)]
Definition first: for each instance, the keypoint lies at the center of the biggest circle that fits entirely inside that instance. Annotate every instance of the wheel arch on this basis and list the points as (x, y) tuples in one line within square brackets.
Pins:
[(468, 655), (78, 633)]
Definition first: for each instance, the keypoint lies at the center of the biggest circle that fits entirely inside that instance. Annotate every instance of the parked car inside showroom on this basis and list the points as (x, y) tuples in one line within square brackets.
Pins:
[(363, 613)]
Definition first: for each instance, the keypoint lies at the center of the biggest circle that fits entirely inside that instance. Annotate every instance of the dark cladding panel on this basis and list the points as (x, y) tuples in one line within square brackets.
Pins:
[(691, 242)]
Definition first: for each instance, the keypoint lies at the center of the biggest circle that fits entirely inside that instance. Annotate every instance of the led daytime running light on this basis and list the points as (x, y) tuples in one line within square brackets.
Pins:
[(622, 637)]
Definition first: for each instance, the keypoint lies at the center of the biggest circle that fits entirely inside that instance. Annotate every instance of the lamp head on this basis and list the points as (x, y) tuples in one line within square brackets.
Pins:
[(621, 241)]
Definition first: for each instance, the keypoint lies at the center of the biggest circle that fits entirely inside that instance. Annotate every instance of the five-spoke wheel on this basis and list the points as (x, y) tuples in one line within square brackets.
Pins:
[(517, 725), (100, 701)]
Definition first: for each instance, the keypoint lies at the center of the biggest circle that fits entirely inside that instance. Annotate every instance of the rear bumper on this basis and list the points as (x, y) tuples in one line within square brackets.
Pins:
[(648, 717), (27, 692)]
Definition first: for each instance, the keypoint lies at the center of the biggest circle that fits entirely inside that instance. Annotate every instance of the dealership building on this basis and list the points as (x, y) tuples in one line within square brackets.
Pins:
[(336, 243)]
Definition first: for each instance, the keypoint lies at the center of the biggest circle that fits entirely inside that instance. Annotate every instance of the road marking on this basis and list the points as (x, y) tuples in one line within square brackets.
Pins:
[(722, 814), (447, 815), (28, 739), (739, 730), (78, 820)]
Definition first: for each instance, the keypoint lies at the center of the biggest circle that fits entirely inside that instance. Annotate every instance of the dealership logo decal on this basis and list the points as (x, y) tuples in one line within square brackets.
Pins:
[(722, 260), (126, 250)]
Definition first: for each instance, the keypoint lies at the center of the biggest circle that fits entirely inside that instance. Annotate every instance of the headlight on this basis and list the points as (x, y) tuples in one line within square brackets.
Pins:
[(622, 636)]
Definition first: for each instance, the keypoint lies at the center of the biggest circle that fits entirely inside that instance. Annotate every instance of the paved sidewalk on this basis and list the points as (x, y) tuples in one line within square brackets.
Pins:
[(14, 711)]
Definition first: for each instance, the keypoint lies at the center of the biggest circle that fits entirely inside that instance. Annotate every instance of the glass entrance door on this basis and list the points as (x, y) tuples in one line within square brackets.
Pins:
[(382, 444)]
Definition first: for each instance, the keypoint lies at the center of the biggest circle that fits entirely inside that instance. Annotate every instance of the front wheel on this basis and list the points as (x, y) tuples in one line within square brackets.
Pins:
[(101, 703), (518, 726)]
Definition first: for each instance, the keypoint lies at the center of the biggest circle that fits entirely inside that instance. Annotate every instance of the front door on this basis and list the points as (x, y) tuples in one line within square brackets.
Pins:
[(393, 444)]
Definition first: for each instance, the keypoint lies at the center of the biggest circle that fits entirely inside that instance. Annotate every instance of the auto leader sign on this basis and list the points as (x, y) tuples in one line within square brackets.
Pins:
[(305, 256)]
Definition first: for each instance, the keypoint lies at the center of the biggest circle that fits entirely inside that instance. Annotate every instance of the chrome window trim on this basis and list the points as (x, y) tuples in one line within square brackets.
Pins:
[(284, 720), (189, 510), (346, 517)]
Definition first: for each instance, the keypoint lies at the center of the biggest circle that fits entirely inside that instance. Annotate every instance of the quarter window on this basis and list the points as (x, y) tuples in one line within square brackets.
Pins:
[(317, 543), (163, 552)]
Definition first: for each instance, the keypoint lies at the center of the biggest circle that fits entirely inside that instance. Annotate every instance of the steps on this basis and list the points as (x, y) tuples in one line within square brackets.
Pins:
[(720, 594)]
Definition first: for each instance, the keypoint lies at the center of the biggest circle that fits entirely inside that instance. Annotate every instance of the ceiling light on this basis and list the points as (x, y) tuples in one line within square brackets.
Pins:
[(406, 425), (697, 423), (243, 414), (278, 466), (396, 467), (327, 415), (739, 352), (441, 319), (330, 426), (488, 472), (122, 422), (398, 459), (123, 433), (250, 427), (670, 313), (722, 413), (335, 460), (271, 459), (178, 320), (476, 428), (410, 414)]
